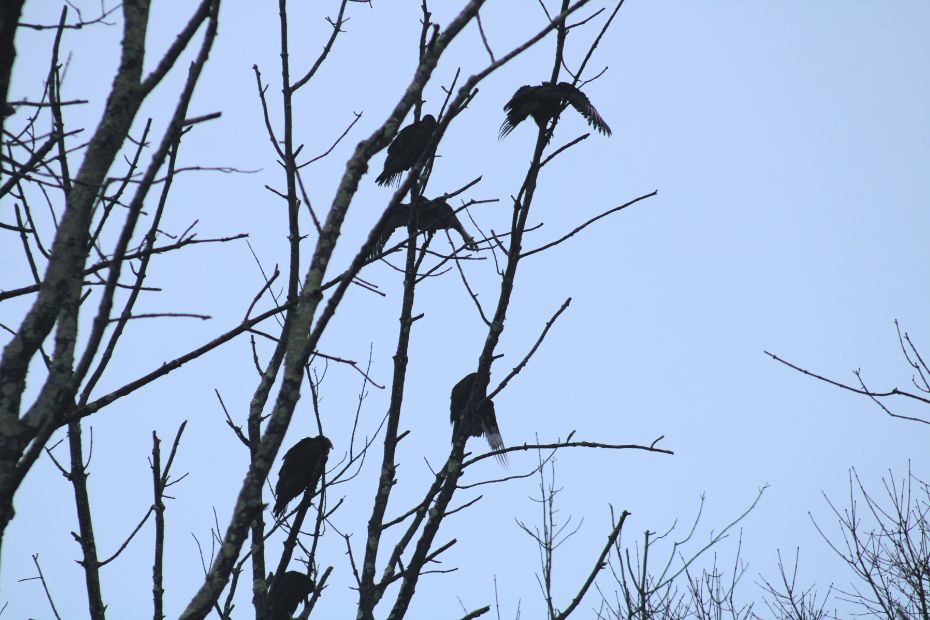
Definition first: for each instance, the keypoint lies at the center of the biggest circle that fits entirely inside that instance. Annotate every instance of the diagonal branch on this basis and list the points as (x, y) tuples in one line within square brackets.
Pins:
[(516, 369), (578, 229), (860, 390), (598, 566)]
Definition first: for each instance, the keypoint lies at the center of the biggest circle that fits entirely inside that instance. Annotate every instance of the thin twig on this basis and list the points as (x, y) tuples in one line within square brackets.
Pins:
[(578, 229), (863, 390), (41, 577), (565, 444), (516, 369)]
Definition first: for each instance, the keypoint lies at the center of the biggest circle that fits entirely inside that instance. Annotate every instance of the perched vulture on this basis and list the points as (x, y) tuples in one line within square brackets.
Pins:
[(406, 149), (429, 216), (301, 471), (286, 592), (484, 421), (544, 102)]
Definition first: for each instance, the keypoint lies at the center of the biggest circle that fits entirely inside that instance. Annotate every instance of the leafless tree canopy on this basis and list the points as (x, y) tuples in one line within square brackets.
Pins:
[(107, 189)]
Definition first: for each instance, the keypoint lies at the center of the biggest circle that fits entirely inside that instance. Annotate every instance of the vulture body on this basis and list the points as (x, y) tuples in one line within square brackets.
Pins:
[(429, 216), (287, 591), (483, 422), (544, 102), (301, 471), (406, 149)]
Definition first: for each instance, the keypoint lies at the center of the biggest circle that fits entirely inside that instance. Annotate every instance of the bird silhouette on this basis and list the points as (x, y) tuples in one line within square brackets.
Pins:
[(483, 422), (429, 216), (406, 149), (301, 471), (544, 102), (286, 592)]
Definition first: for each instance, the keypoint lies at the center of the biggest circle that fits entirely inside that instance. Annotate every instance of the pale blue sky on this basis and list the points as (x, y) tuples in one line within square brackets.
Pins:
[(790, 144)]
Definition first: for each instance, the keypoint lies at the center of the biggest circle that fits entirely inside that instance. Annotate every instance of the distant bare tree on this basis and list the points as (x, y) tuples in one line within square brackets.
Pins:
[(890, 555), (640, 586), (669, 588), (787, 601), (886, 542)]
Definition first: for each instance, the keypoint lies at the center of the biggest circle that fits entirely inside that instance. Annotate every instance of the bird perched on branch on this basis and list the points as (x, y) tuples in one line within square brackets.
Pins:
[(406, 149), (544, 102), (482, 422), (286, 592), (429, 216), (301, 471)]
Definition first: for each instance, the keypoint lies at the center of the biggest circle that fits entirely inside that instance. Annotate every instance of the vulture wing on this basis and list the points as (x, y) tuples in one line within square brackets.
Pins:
[(431, 216), (317, 464), (286, 592), (291, 479), (517, 109), (490, 430), (397, 218), (484, 423), (580, 102), (459, 399), (438, 215), (406, 149), (301, 470)]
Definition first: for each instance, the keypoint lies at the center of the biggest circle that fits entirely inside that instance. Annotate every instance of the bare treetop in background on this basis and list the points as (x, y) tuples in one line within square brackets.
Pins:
[(108, 193)]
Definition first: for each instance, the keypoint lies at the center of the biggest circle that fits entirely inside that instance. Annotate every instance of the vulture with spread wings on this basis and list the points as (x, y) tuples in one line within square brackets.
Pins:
[(544, 102), (429, 216), (286, 592), (405, 150), (301, 471), (483, 422)]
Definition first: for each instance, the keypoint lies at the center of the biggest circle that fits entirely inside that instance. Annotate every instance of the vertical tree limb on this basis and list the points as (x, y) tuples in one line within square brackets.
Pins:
[(368, 597), (9, 20), (160, 477), (90, 562), (158, 588)]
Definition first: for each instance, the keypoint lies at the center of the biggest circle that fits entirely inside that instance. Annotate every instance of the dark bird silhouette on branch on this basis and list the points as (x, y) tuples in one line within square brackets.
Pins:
[(482, 422), (545, 102), (286, 592), (406, 149), (301, 471), (429, 216)]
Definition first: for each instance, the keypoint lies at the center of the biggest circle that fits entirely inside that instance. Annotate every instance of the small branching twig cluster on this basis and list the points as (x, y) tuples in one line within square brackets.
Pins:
[(891, 557), (673, 591)]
